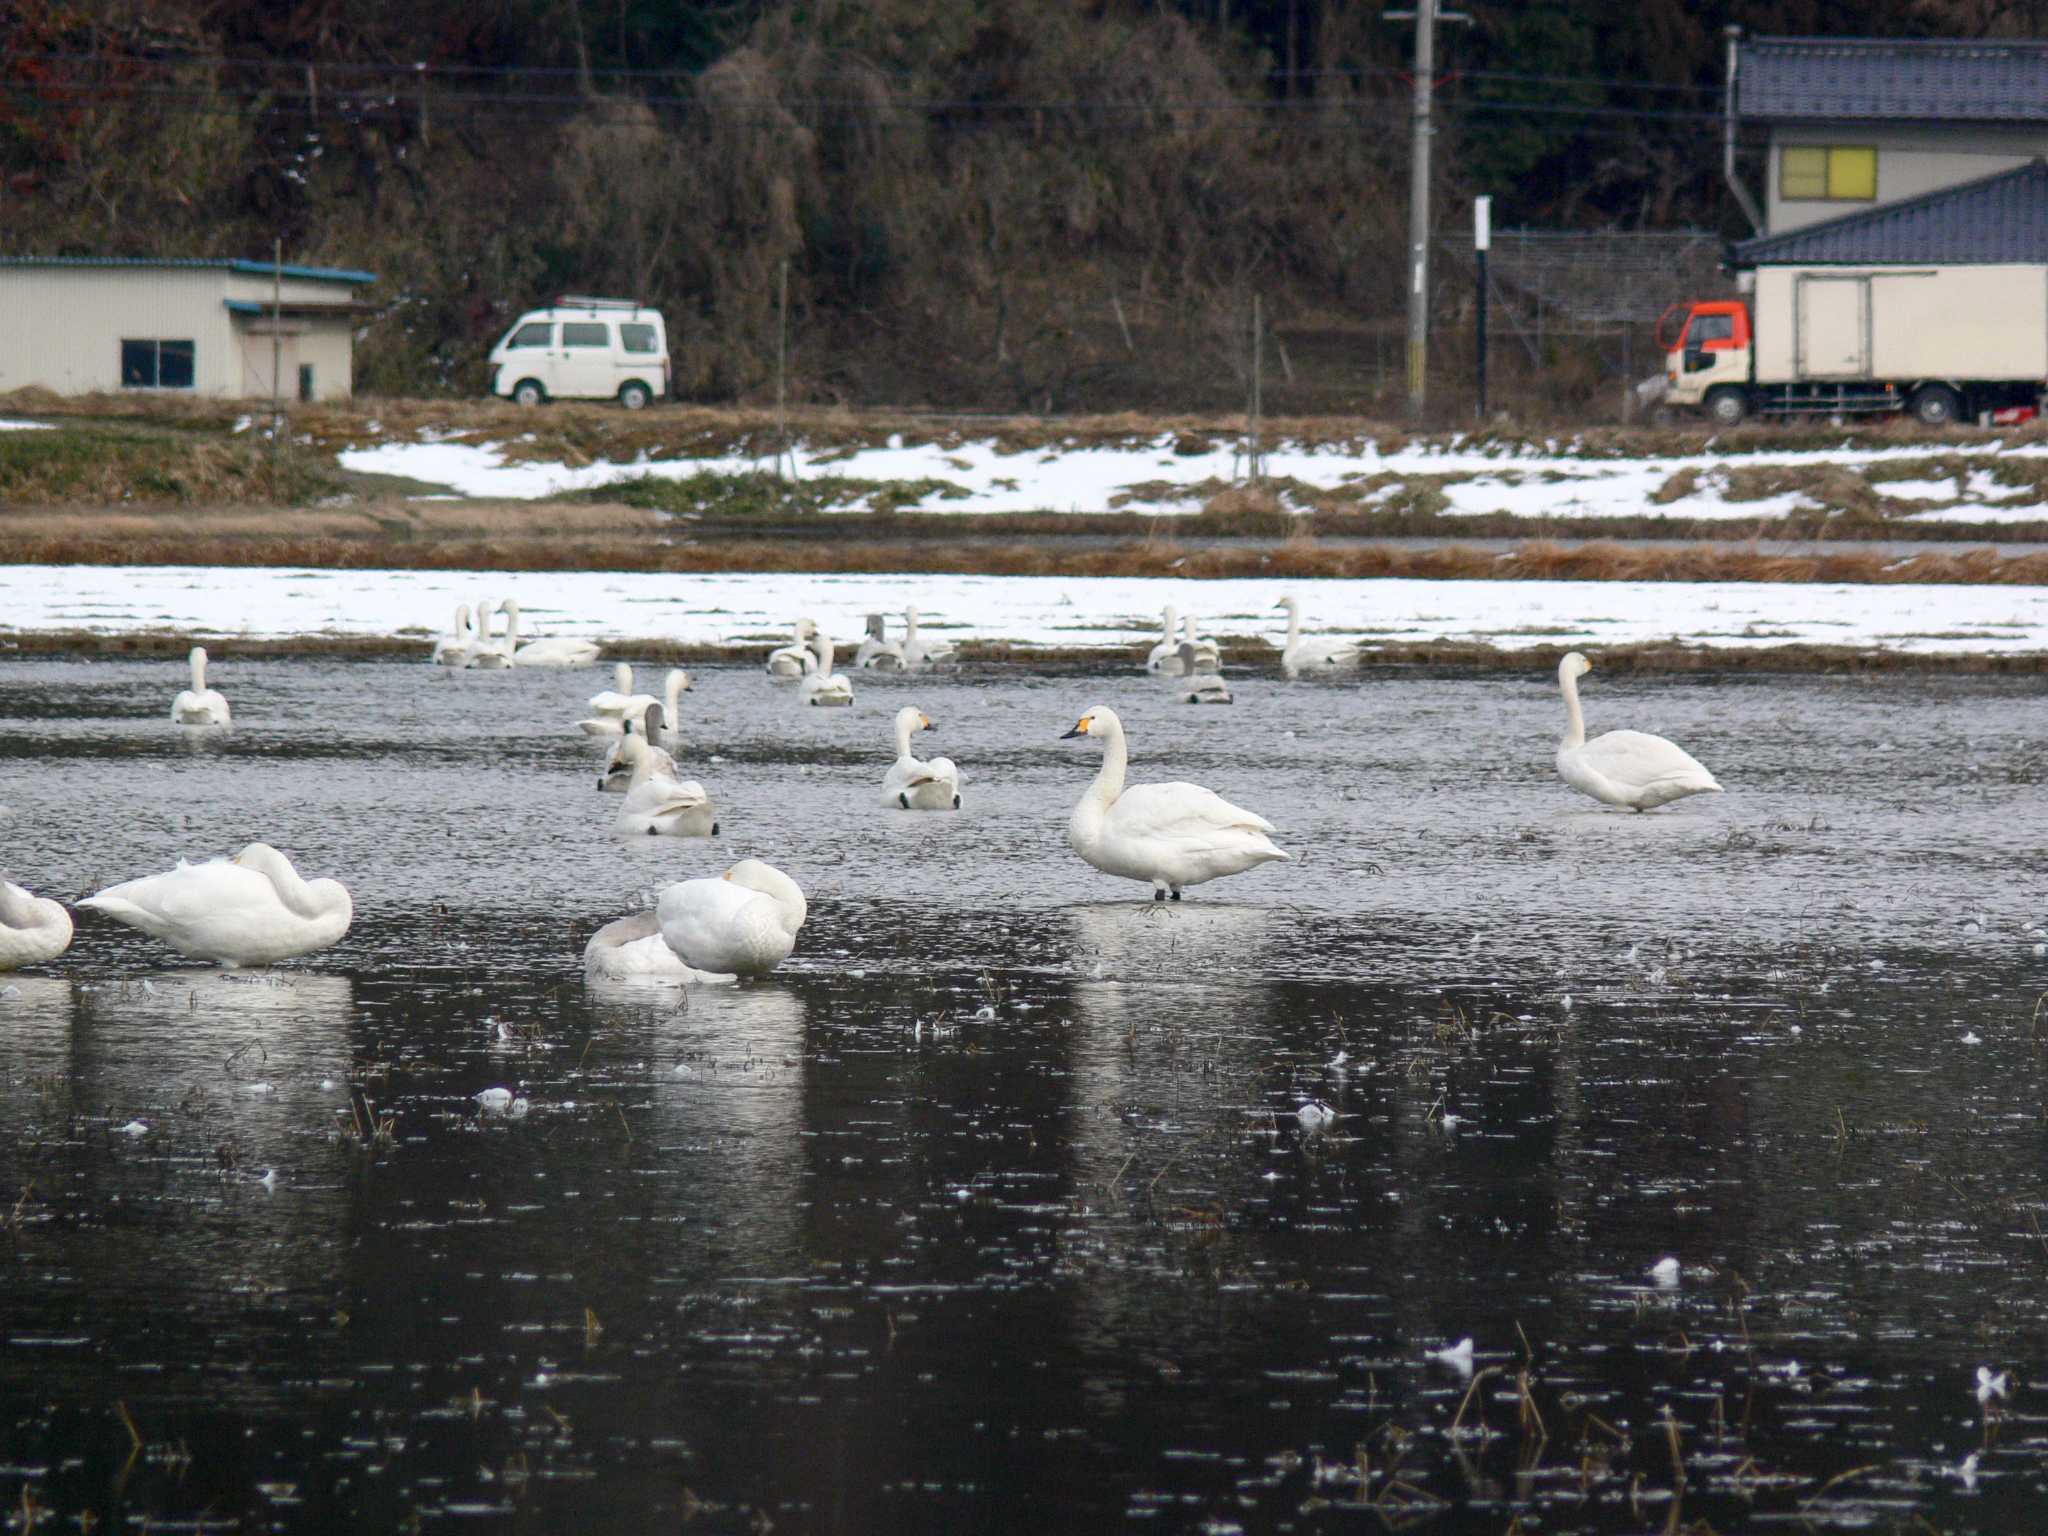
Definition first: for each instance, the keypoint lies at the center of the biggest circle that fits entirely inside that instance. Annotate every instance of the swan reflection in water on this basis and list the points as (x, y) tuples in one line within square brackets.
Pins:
[(1159, 942)]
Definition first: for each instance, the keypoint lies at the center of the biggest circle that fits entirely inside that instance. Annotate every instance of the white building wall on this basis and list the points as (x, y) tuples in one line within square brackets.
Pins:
[(1926, 157)]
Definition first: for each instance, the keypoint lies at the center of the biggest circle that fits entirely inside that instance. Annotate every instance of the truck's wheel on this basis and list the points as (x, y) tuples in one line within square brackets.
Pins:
[(1727, 406), (1936, 405), (528, 392), (633, 395)]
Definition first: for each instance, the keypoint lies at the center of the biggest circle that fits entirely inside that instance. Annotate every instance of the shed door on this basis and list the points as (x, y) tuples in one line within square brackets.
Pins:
[(1834, 327)]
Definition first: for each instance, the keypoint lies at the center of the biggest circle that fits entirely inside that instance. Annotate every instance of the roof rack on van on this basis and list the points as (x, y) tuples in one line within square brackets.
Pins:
[(584, 301)]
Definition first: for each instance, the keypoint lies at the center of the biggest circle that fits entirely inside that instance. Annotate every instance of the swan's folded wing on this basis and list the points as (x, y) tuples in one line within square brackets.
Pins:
[(1639, 759), (191, 892), (940, 770), (663, 796), (699, 919), (1182, 813)]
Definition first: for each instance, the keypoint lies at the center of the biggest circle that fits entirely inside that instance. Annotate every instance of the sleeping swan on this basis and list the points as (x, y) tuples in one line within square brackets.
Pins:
[(1628, 768), (912, 785), (199, 704), (252, 909), (32, 928), (632, 949), (744, 923), (1173, 835)]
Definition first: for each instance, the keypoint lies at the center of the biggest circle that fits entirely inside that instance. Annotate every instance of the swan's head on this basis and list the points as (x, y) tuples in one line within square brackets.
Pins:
[(1573, 666), (261, 857), (650, 726), (910, 718), (679, 681), (806, 627), (757, 875), (197, 658), (875, 625), (1289, 604), (1099, 721), (508, 605)]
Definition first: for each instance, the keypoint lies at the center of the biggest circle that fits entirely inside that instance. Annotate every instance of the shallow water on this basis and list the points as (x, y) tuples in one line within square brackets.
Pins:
[(992, 1210)]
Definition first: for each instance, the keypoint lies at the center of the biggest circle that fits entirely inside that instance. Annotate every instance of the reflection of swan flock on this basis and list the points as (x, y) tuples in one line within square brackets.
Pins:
[(255, 909)]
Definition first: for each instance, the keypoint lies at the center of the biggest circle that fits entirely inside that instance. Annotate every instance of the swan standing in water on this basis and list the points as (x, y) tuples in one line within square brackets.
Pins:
[(1173, 835), (918, 651), (825, 686), (453, 648), (199, 704), (918, 786), (558, 652), (1195, 686), (252, 909), (657, 802), (878, 650), (32, 928), (744, 923), (1630, 768), (795, 659), (632, 949), (1313, 657)]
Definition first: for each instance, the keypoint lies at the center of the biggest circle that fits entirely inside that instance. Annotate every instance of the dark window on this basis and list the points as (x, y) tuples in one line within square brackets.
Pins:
[(158, 364), (1706, 328), (536, 335), (305, 381), (635, 337), (585, 334)]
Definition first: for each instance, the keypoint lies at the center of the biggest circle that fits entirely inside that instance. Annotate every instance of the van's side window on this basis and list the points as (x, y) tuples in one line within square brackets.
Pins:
[(636, 338), (536, 335), (584, 333)]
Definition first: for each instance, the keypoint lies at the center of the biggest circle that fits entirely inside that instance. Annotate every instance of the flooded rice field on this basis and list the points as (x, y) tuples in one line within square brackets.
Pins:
[(1719, 1131)]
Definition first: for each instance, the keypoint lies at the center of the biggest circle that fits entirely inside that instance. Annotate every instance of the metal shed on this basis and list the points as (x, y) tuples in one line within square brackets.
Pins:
[(78, 324)]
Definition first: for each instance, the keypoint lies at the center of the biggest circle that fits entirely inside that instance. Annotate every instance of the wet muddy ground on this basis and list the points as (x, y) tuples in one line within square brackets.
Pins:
[(994, 1209)]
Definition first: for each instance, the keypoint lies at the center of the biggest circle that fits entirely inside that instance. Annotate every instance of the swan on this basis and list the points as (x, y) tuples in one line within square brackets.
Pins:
[(252, 909), (1628, 768), (878, 650), (795, 659), (1314, 657), (32, 928), (1173, 835), (453, 648), (199, 704), (490, 654), (1208, 656), (618, 773), (557, 652), (917, 651), (668, 731), (744, 923), (913, 785), (1193, 685), (612, 708), (632, 949), (825, 686), (1165, 656), (657, 802)]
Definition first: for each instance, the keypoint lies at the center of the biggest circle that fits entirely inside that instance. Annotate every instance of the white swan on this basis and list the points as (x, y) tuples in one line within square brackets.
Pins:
[(32, 928), (453, 648), (252, 909), (1173, 835), (557, 652), (1313, 657), (1195, 686), (632, 949), (1165, 656), (918, 651), (199, 704), (1208, 655), (658, 803), (795, 659), (618, 773), (877, 650), (490, 654), (1630, 768), (744, 923), (668, 731), (614, 706), (917, 786), (825, 686)]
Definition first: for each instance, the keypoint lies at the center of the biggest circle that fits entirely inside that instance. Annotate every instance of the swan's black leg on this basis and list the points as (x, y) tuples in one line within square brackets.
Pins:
[(903, 798), (956, 802), (714, 829), (1159, 895), (1176, 895)]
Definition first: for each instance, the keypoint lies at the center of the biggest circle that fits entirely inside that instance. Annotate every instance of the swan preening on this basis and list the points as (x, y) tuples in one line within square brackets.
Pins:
[(1316, 656), (199, 704), (1173, 835), (613, 708), (795, 659), (632, 949), (911, 785), (742, 924), (824, 686), (657, 802), (252, 909), (1628, 768), (878, 652), (32, 928)]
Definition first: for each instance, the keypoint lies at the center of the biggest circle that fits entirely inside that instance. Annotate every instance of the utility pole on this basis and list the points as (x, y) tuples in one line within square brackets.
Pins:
[(1422, 130)]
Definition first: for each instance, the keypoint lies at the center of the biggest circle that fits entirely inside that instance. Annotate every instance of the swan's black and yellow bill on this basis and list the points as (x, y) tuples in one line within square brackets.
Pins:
[(1080, 729)]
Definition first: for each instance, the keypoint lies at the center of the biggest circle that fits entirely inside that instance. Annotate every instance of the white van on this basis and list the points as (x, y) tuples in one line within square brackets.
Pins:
[(583, 349)]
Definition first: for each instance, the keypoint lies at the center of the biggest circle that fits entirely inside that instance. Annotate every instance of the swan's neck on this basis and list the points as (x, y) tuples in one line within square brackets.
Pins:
[(902, 738), (1574, 720), (825, 656), (295, 893), (199, 674), (674, 695), (15, 911), (909, 627), (1172, 622), (1109, 780), (1293, 626), (511, 627)]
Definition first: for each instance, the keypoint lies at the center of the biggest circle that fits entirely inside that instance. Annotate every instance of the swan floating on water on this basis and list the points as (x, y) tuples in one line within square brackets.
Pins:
[(825, 686), (32, 928), (1165, 656), (918, 651), (557, 652), (615, 707), (912, 785), (252, 909), (1195, 686), (453, 648), (1630, 768), (618, 773), (877, 650), (1313, 657), (744, 923), (1208, 655), (795, 659), (632, 949), (199, 704), (1173, 835), (657, 802), (489, 654)]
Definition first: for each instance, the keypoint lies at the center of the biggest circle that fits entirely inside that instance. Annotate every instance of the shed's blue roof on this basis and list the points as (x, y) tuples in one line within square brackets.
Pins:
[(1997, 218), (1788, 79), (223, 263)]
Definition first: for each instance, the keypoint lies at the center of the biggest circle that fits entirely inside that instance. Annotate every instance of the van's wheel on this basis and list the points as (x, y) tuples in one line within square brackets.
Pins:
[(1727, 406), (528, 392), (634, 395), (1936, 405)]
